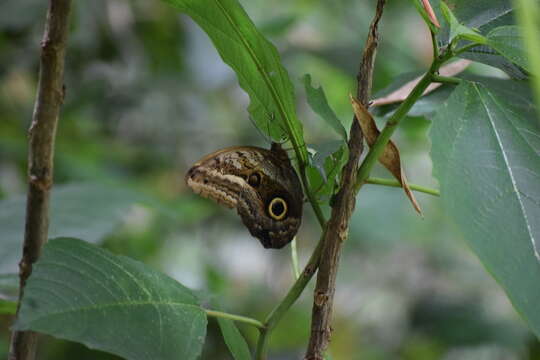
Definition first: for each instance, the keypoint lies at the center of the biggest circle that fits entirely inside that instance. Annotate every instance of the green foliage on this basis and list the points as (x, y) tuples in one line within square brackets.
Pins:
[(458, 31), (508, 41), (318, 103), (473, 22), (80, 292), (483, 15), (485, 156), (138, 112), (325, 167), (328, 158), (256, 63)]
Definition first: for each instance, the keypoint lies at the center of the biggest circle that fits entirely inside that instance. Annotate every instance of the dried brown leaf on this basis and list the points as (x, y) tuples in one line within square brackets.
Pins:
[(431, 13), (390, 158), (404, 91)]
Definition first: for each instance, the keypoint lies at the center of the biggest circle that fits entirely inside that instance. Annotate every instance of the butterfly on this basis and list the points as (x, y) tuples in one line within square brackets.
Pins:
[(261, 184)]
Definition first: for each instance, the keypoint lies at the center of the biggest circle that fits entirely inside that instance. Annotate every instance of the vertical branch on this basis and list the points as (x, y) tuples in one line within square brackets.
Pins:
[(342, 209), (42, 133)]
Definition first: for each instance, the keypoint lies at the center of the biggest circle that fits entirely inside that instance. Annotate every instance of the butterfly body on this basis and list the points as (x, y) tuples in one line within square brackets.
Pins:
[(260, 183)]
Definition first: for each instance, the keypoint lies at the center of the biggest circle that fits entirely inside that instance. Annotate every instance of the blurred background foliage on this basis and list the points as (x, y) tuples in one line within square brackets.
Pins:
[(147, 95)]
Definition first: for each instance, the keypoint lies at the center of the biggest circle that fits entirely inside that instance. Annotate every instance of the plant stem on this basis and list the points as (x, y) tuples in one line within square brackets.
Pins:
[(464, 48), (311, 197), (435, 47), (40, 157), (294, 259), (394, 120), (301, 280), (446, 79), (391, 125), (395, 183), (294, 292), (240, 318), (342, 207)]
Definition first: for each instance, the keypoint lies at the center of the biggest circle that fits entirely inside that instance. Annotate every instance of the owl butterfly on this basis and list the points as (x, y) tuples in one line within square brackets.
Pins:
[(261, 184)]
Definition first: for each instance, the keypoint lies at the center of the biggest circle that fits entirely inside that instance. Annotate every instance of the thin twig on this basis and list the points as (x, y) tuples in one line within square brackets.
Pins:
[(281, 309), (40, 160), (395, 183), (342, 209), (294, 259)]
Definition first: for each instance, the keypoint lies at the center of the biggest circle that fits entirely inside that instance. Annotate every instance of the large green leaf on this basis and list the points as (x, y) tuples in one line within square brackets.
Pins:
[(87, 211), (80, 292), (486, 157), (256, 63)]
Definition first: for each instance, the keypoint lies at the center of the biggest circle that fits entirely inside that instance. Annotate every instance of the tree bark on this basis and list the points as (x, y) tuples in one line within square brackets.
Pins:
[(342, 208), (42, 134)]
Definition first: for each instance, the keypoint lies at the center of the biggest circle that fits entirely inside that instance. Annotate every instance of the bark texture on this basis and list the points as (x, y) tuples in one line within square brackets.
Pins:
[(42, 133), (342, 208)]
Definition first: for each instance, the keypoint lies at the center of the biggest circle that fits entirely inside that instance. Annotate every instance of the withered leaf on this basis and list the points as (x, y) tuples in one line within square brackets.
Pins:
[(431, 13), (390, 157)]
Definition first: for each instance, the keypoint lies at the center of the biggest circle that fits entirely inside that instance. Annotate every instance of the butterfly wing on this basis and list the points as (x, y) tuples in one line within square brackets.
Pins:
[(261, 184)]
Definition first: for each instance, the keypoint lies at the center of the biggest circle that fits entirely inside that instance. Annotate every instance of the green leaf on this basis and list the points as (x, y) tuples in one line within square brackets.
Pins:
[(508, 41), (87, 211), (256, 63), (82, 293), (318, 103), (233, 338), (325, 166), (458, 30), (482, 16), (485, 156)]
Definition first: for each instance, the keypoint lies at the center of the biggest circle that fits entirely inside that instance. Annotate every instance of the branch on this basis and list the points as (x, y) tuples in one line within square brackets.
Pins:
[(342, 208), (294, 292), (40, 160)]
